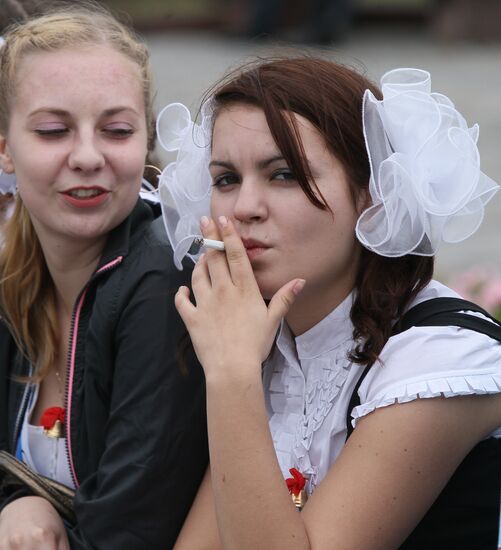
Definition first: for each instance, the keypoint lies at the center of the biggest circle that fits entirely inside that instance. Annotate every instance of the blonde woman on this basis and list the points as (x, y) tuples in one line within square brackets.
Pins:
[(91, 392)]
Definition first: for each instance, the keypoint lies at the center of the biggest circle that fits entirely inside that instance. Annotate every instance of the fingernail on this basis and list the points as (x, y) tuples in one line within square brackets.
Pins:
[(204, 221), (298, 286), (223, 221)]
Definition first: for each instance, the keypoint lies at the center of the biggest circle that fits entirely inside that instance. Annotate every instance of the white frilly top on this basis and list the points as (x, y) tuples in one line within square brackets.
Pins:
[(309, 380)]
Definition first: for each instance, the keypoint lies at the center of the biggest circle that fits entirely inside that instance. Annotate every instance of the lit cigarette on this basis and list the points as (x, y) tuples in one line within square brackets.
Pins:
[(200, 242)]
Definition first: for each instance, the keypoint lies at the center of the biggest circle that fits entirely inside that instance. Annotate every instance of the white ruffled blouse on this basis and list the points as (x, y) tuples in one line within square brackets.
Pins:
[(309, 380)]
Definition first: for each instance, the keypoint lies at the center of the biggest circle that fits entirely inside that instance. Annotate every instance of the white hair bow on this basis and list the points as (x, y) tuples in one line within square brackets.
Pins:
[(426, 184)]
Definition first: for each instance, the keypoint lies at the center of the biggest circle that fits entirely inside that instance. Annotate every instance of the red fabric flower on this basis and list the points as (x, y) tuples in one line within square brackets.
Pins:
[(50, 415), (296, 483)]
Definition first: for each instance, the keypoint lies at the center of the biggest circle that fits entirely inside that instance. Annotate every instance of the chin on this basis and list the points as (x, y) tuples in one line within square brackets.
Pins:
[(268, 288)]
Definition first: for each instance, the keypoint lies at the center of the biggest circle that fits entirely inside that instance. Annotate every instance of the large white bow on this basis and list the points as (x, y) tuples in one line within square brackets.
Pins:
[(426, 184)]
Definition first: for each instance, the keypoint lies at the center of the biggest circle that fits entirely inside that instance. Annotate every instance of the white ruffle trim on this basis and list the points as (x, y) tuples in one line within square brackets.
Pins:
[(319, 400), (299, 409), (450, 386)]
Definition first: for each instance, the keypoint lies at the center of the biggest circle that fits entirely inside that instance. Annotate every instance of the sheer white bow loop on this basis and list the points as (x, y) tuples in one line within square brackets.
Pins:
[(426, 184), (7, 183), (185, 184)]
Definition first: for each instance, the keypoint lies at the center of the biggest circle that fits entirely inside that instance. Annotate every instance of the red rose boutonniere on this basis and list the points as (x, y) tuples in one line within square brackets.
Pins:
[(52, 420), (296, 483)]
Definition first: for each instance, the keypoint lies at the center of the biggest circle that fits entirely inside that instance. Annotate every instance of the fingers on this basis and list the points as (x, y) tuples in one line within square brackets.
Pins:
[(183, 305), (236, 255), (283, 299), (200, 280), (216, 260)]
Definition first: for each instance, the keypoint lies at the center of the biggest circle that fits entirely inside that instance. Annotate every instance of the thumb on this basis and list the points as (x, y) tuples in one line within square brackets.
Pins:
[(284, 298)]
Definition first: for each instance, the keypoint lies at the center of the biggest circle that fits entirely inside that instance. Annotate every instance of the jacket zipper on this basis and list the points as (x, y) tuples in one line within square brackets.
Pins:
[(70, 364)]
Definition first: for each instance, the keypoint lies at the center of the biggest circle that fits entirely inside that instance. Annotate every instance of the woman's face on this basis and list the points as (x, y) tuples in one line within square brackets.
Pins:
[(77, 141), (286, 236)]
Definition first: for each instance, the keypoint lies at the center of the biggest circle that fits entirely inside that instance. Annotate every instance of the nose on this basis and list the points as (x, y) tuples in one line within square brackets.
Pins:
[(250, 204), (85, 154)]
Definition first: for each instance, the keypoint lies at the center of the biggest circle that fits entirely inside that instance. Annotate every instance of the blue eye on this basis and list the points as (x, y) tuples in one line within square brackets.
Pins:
[(224, 180), (284, 174)]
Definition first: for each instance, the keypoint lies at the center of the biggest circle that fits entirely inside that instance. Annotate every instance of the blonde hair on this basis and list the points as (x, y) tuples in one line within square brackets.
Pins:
[(79, 25), (27, 293)]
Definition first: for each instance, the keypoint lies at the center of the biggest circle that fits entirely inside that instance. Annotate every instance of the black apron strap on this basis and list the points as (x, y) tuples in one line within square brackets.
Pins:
[(435, 312), (425, 313)]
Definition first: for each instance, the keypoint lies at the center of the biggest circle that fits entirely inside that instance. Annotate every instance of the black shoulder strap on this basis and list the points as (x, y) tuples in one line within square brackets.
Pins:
[(435, 312), (446, 312)]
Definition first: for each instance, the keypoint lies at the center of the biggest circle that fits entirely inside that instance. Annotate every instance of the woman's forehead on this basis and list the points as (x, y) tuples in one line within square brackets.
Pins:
[(66, 77)]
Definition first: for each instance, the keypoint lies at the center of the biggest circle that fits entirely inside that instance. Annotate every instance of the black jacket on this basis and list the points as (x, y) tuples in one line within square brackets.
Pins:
[(135, 422)]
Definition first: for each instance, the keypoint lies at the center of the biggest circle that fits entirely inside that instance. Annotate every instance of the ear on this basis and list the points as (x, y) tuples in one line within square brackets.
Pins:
[(6, 163)]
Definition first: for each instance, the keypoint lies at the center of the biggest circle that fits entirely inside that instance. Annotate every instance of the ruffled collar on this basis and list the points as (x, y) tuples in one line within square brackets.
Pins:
[(333, 330)]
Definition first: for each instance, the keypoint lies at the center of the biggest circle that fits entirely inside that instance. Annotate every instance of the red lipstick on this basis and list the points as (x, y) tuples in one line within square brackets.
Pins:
[(85, 197)]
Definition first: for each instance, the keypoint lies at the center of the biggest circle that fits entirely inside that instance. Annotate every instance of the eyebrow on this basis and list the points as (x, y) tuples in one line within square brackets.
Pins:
[(63, 113), (261, 164)]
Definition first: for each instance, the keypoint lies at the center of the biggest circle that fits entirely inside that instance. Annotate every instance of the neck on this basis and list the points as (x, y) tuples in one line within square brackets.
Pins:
[(71, 265), (307, 312), (310, 307)]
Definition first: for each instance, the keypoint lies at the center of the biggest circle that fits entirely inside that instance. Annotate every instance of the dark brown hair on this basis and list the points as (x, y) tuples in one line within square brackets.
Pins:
[(329, 96)]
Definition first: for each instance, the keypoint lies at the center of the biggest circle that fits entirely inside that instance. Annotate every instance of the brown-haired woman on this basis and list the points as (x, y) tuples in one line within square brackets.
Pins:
[(91, 393), (289, 188)]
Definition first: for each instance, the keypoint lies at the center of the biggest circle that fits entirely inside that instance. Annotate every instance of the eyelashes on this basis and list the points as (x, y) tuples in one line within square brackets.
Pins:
[(51, 131), (113, 132), (226, 179), (119, 132), (284, 175), (231, 178)]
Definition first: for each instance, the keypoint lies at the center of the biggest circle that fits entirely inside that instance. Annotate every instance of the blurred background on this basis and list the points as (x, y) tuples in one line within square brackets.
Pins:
[(194, 42)]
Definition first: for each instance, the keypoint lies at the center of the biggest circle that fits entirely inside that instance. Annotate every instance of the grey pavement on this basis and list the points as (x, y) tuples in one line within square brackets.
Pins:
[(186, 64)]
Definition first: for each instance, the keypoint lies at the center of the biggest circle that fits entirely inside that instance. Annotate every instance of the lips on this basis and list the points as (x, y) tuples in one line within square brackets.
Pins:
[(85, 192), (253, 243), (85, 197), (254, 248)]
